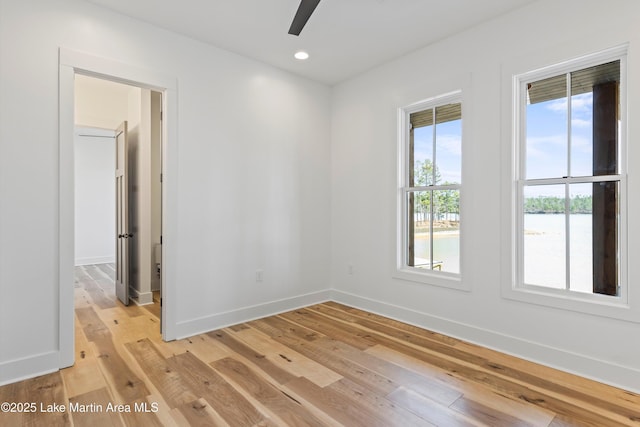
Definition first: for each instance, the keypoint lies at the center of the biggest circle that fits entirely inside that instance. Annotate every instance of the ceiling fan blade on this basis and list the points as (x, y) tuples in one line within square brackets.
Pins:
[(305, 10)]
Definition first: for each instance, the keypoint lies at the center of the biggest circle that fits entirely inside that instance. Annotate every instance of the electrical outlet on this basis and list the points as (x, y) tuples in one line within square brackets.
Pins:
[(259, 275)]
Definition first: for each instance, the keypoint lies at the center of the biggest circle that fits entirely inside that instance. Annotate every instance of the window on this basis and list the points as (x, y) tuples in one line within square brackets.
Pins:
[(431, 169), (570, 178)]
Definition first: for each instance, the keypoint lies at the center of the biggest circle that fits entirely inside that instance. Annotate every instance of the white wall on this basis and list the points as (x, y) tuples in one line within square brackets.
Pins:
[(95, 196), (364, 186), (100, 103), (253, 175)]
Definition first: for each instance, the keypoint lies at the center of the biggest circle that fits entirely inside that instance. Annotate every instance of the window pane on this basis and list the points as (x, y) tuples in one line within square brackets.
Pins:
[(544, 236), (582, 134), (446, 231), (606, 237), (434, 162), (546, 125), (449, 143), (422, 156), (581, 232), (594, 120), (419, 229)]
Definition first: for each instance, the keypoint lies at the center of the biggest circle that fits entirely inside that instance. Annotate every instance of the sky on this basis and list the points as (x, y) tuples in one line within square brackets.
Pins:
[(548, 137), (448, 148), (547, 143)]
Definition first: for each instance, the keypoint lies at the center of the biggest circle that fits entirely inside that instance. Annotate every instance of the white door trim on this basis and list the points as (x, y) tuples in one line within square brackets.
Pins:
[(72, 63)]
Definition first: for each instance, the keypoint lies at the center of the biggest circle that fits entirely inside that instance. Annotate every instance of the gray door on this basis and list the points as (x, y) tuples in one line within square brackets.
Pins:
[(122, 216)]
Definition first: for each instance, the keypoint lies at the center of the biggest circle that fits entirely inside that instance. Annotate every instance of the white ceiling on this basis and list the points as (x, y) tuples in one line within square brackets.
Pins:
[(343, 37)]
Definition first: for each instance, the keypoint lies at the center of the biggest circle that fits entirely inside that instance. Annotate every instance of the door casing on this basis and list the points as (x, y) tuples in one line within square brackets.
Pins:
[(72, 63)]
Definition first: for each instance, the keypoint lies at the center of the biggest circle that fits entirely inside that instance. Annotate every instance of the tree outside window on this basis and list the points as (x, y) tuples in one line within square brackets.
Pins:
[(432, 187)]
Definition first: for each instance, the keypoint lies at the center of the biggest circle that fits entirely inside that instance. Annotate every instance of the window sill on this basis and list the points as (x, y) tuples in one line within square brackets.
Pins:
[(597, 305), (427, 277)]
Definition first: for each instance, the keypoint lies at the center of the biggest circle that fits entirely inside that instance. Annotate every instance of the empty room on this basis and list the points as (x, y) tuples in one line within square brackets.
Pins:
[(285, 212)]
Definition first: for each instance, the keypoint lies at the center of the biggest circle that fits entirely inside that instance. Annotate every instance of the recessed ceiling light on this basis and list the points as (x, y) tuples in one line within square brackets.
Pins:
[(301, 55)]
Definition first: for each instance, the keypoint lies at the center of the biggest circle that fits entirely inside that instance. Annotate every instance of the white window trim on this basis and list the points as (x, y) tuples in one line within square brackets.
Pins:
[(619, 307), (402, 271)]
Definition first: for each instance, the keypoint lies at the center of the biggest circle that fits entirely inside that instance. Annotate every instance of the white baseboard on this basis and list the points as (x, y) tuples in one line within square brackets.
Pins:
[(29, 367), (95, 260), (141, 298), (221, 320), (624, 377)]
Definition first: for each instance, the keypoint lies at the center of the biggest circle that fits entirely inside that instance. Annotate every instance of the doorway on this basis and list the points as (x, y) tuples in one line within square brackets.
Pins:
[(118, 211), (74, 64)]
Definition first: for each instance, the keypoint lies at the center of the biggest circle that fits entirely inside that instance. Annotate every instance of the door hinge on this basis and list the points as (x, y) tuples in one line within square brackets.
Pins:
[(160, 239), (160, 177), (160, 302)]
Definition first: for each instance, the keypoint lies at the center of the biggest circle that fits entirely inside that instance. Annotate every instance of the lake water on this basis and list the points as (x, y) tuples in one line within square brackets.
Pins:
[(544, 247), (446, 250)]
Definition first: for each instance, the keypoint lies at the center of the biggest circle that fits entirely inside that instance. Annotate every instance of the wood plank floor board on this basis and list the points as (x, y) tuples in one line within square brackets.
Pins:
[(91, 324), (341, 311), (324, 365), (340, 407), (575, 384), (393, 414), (324, 356), (94, 284), (108, 269), (487, 414), (202, 346), (132, 309), (153, 309), (431, 411), (167, 381), (124, 382), (200, 413), (345, 367), (47, 391), (433, 389), (85, 375), (223, 398), (139, 418), (496, 389), (510, 404), (91, 409), (281, 405), (352, 335), (477, 367), (256, 358), (547, 398), (279, 326), (286, 358), (101, 277), (14, 394)]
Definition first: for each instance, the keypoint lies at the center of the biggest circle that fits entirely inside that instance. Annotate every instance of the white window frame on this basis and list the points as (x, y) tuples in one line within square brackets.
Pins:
[(402, 270), (618, 306)]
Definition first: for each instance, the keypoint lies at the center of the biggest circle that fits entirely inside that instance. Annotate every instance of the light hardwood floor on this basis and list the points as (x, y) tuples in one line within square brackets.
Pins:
[(327, 364)]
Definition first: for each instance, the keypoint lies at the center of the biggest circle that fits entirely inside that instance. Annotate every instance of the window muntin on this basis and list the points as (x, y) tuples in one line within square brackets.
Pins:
[(570, 179), (432, 181)]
